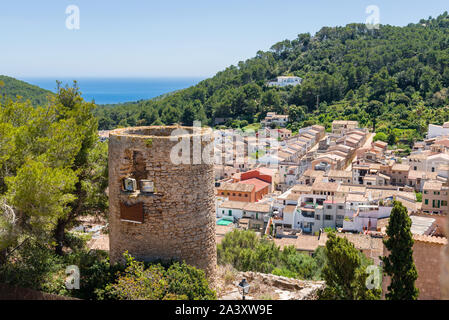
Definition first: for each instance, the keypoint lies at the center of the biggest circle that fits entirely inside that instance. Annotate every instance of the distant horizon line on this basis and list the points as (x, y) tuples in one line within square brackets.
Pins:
[(109, 77)]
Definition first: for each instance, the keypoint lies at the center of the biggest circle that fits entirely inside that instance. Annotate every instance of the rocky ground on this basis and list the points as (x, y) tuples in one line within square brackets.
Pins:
[(265, 286)]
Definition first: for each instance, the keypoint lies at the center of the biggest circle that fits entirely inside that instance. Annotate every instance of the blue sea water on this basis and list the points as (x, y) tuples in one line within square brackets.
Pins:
[(118, 90)]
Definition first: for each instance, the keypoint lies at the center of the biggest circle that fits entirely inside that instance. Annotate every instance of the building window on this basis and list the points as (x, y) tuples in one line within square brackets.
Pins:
[(426, 201), (340, 217), (340, 207), (246, 196), (317, 217), (443, 203), (329, 207), (327, 217)]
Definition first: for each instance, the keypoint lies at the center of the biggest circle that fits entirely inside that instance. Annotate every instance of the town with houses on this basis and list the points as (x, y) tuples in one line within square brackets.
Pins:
[(306, 184)]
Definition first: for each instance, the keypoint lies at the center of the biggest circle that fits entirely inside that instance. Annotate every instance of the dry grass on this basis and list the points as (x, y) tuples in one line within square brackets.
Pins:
[(228, 274)]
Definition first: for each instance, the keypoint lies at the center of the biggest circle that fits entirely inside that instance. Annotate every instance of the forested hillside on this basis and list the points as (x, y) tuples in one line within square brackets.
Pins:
[(397, 77), (12, 88)]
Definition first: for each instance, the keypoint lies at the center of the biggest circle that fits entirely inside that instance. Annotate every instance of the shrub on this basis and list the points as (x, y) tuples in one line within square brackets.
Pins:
[(246, 252), (380, 136), (35, 266), (153, 282)]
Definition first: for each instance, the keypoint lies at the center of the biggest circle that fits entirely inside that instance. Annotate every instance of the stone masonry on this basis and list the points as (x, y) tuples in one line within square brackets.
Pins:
[(178, 218)]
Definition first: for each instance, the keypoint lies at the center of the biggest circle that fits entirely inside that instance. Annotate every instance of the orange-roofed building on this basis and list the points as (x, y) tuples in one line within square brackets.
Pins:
[(261, 188), (263, 174)]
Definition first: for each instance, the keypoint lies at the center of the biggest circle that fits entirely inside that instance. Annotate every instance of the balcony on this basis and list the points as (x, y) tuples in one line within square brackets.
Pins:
[(308, 213), (308, 205)]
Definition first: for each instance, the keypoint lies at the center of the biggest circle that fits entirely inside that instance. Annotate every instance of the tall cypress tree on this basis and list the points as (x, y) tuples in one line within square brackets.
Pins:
[(399, 265)]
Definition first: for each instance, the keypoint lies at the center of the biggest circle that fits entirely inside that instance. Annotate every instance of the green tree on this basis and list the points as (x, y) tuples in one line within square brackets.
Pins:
[(91, 183), (399, 265), (296, 113), (374, 111), (392, 139), (188, 115), (55, 169), (344, 272), (380, 136)]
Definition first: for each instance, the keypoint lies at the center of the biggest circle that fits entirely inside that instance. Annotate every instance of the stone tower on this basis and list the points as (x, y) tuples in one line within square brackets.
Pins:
[(174, 218)]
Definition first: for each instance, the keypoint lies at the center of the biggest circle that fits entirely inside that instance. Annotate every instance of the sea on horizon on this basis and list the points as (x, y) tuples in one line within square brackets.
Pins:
[(118, 90)]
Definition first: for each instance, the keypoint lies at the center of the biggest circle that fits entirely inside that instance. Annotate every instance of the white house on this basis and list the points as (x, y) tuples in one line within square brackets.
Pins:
[(283, 81), (240, 209), (366, 217), (276, 119), (437, 131), (435, 161)]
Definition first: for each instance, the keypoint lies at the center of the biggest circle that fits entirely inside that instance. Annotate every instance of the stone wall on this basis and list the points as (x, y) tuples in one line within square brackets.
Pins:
[(428, 258), (444, 268), (179, 217)]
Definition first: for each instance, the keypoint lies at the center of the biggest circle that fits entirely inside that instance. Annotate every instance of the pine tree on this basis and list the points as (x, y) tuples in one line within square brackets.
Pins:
[(345, 273), (399, 265)]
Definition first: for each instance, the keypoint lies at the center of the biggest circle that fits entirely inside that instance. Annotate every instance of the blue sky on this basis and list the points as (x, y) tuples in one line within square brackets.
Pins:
[(137, 38)]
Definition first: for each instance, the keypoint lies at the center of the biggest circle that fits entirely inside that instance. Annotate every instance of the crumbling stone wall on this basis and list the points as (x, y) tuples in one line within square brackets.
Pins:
[(178, 218)]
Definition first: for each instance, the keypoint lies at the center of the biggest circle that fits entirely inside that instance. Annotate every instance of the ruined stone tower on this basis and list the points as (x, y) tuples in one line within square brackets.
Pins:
[(169, 213)]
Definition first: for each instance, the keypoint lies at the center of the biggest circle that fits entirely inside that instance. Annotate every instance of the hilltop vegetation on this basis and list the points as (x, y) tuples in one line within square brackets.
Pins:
[(397, 77), (11, 88)]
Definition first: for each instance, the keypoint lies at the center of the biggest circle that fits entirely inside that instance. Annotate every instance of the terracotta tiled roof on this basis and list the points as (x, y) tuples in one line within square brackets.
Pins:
[(257, 183), (236, 187), (356, 198), (430, 239), (301, 188), (240, 205), (381, 143), (258, 207), (339, 174), (432, 185), (325, 186), (443, 142), (400, 167), (292, 196), (313, 173), (289, 209)]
